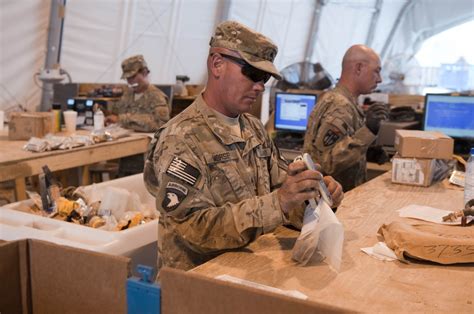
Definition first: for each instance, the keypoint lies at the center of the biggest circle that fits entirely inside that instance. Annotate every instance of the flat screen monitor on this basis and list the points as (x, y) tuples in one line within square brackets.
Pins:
[(452, 115), (292, 111)]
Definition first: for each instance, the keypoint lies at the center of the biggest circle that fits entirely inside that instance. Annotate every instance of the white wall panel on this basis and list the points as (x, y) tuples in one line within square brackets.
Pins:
[(23, 37), (343, 24), (174, 35)]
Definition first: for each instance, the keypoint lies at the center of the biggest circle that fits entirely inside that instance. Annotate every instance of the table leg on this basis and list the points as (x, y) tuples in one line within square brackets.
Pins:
[(20, 189), (85, 175)]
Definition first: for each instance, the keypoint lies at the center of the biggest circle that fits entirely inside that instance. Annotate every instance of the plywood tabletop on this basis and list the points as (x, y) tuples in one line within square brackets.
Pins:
[(363, 283)]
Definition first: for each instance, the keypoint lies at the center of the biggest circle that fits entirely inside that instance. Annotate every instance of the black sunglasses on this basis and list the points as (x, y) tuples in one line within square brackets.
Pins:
[(254, 74)]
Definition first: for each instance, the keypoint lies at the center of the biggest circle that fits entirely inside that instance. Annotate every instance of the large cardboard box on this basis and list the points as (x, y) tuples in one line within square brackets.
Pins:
[(191, 293), (24, 125), (423, 144), (418, 171), (41, 277)]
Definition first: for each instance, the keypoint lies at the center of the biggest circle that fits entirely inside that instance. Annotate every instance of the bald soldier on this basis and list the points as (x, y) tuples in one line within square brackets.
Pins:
[(142, 108), (218, 179), (338, 133)]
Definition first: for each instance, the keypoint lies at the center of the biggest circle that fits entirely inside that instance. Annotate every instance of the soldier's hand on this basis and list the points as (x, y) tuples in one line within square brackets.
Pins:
[(375, 114), (335, 189), (300, 185)]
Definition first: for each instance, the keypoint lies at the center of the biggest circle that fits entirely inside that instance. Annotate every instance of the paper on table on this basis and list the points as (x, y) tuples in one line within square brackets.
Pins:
[(428, 213), (290, 293), (380, 251), (321, 230)]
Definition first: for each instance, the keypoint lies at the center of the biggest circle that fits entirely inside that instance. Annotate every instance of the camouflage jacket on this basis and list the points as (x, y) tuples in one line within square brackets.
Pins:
[(338, 139), (145, 114), (214, 191)]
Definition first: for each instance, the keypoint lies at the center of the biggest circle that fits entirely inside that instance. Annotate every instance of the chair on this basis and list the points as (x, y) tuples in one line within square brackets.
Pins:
[(168, 91), (103, 171)]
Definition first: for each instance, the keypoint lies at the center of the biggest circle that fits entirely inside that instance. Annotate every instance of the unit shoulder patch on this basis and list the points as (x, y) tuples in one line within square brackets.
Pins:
[(331, 137), (180, 169), (175, 194)]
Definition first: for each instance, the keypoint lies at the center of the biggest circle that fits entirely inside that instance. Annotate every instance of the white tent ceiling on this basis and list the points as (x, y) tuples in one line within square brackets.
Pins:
[(173, 35)]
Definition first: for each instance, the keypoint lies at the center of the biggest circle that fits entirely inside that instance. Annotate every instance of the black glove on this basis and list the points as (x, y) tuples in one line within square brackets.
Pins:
[(375, 114)]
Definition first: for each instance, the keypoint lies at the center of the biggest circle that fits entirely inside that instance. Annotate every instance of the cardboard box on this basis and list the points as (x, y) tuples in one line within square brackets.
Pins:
[(189, 293), (41, 277), (418, 171), (24, 125), (423, 144)]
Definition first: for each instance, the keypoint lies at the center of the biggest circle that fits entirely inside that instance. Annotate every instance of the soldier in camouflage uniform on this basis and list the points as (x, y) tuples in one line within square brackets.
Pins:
[(339, 133), (142, 108), (218, 179)]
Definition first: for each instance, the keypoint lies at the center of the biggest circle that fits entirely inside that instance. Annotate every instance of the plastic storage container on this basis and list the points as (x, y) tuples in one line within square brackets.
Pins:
[(139, 243)]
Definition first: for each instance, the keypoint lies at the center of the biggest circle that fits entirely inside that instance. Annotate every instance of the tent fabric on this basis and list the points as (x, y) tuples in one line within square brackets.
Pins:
[(173, 35), (422, 21), (23, 38), (167, 33)]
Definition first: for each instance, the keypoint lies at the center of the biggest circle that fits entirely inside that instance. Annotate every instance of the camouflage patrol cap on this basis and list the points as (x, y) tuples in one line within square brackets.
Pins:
[(256, 49), (132, 65)]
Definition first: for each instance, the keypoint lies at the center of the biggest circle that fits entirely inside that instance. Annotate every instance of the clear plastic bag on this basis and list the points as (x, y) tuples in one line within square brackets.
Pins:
[(321, 233)]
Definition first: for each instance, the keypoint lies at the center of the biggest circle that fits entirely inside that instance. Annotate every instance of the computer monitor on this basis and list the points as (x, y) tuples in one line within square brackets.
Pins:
[(452, 115), (80, 104), (292, 111)]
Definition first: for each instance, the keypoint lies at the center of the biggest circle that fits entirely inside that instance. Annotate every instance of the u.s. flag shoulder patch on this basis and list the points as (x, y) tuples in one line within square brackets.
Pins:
[(180, 169)]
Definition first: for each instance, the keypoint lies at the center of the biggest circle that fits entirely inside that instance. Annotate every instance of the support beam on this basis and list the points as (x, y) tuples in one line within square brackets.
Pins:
[(373, 23), (223, 10), (312, 36), (56, 19), (50, 73), (406, 7)]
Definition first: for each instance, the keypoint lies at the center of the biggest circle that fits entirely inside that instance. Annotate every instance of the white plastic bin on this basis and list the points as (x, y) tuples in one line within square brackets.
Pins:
[(139, 243)]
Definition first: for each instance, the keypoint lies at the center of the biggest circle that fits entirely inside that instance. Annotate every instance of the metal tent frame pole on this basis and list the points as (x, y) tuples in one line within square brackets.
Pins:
[(313, 34), (50, 74), (373, 23), (406, 7), (223, 10)]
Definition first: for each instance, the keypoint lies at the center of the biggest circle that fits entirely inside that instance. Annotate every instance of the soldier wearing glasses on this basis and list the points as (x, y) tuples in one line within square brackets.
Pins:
[(218, 179)]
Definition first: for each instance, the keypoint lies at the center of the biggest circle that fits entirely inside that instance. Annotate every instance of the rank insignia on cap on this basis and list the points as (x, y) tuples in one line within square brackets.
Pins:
[(182, 170), (330, 138), (175, 194)]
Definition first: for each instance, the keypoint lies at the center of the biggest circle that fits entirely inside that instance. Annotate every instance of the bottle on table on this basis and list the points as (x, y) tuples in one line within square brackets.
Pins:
[(98, 118)]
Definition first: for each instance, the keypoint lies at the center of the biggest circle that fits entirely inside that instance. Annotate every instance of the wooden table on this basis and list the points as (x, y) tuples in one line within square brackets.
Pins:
[(17, 164), (364, 283)]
